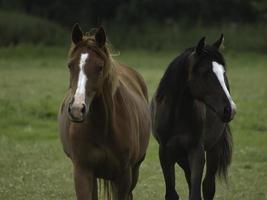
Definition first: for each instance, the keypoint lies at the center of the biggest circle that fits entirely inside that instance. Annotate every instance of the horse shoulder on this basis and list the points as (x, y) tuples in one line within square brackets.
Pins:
[(161, 114)]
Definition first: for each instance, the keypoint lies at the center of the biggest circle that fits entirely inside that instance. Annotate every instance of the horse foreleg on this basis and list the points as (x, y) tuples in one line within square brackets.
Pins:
[(196, 162), (123, 185), (84, 183), (167, 165), (184, 164), (135, 175), (209, 180)]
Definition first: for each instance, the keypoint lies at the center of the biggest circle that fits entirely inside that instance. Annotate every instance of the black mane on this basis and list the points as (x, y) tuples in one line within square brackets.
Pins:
[(174, 76)]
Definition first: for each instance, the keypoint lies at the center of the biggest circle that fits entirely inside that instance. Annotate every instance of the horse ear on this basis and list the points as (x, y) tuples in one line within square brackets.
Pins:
[(200, 45), (77, 34), (100, 37), (219, 44)]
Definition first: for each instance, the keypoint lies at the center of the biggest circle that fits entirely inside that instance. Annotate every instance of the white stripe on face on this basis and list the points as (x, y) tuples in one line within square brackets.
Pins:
[(80, 91), (219, 72)]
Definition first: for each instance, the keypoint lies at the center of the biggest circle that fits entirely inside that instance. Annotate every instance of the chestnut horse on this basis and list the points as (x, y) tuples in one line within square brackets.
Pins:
[(104, 119)]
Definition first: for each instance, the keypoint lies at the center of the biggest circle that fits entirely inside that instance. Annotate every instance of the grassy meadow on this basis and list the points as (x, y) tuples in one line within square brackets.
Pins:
[(33, 166)]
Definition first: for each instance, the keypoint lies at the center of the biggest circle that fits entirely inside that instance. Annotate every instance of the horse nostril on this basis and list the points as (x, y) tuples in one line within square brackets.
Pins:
[(69, 108), (227, 113), (83, 109)]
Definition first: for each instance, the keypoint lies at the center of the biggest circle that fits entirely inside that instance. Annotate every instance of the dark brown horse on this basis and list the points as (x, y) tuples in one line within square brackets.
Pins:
[(104, 119), (190, 114)]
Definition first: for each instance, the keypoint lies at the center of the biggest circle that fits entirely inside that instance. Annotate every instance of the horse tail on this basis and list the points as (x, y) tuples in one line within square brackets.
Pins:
[(225, 151), (107, 189)]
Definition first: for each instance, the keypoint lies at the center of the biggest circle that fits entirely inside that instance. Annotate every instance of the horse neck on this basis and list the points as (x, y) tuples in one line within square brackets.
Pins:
[(180, 96), (186, 101)]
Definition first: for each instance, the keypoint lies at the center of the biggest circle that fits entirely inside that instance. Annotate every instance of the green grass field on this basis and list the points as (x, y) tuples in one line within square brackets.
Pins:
[(33, 165)]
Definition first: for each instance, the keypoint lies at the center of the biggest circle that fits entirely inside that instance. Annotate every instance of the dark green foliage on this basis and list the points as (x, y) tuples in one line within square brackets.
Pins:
[(17, 28), (93, 12), (177, 36), (21, 28), (147, 24)]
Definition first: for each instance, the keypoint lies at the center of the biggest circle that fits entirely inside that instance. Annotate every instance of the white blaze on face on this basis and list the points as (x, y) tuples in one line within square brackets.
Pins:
[(82, 79), (218, 70)]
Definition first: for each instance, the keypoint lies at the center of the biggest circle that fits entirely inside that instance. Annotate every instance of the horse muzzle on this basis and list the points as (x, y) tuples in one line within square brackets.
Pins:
[(77, 111), (229, 113)]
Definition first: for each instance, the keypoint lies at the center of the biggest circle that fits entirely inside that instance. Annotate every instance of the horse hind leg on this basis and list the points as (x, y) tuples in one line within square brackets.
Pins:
[(167, 165)]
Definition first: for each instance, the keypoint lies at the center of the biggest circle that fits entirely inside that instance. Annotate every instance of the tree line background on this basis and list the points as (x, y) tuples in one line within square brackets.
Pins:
[(129, 18), (66, 12)]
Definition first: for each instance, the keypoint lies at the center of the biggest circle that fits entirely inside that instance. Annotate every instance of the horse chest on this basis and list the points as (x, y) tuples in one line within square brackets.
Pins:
[(103, 159), (188, 130), (184, 138), (213, 129)]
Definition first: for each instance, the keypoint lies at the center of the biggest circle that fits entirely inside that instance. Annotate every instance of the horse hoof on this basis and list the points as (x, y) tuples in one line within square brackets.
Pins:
[(172, 196)]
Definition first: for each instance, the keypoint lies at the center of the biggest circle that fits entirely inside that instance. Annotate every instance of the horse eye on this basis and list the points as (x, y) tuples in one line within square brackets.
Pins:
[(69, 65), (99, 68)]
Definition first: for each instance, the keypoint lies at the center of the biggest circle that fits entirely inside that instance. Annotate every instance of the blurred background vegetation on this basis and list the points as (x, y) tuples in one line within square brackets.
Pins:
[(146, 24), (34, 40)]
